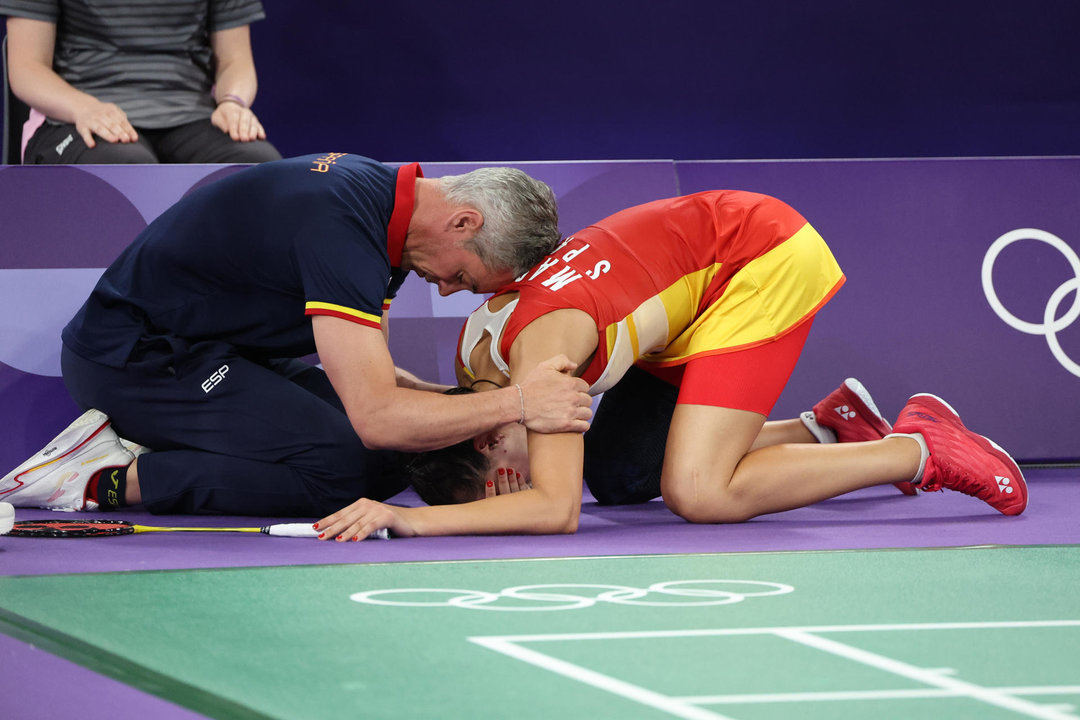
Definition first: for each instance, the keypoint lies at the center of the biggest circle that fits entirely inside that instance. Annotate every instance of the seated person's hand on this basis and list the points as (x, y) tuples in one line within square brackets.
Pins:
[(105, 120), (238, 122)]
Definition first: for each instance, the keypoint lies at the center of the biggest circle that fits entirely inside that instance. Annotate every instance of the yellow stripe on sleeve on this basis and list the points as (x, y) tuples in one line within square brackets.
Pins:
[(321, 308)]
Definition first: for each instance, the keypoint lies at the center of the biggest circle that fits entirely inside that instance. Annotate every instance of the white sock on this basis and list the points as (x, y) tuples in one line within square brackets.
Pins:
[(917, 437), (822, 433)]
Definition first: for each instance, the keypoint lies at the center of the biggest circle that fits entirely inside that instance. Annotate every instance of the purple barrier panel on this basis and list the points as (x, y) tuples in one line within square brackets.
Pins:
[(913, 237), (62, 217), (59, 227)]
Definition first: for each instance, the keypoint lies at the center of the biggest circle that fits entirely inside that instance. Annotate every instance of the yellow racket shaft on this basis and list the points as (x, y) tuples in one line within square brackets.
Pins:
[(155, 528), (279, 529)]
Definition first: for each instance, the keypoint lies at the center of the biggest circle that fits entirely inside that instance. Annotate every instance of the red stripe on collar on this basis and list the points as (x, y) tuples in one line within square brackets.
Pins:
[(404, 199)]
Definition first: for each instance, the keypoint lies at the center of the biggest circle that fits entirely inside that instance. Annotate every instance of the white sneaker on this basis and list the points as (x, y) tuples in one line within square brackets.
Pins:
[(56, 477), (134, 448)]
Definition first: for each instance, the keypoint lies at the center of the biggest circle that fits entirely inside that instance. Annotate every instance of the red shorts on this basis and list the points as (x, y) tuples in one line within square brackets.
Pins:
[(749, 379)]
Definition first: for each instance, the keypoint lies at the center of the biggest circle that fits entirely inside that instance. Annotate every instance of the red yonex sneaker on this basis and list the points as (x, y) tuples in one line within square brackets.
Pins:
[(961, 460), (850, 412)]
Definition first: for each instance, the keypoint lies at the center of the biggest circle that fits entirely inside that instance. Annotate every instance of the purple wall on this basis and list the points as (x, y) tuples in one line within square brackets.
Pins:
[(911, 235), (692, 79)]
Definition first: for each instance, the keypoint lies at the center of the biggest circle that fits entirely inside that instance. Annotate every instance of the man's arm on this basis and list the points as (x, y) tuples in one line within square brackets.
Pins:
[(406, 379), (386, 416)]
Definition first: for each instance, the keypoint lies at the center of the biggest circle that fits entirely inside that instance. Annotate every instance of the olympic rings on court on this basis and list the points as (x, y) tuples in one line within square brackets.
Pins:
[(1050, 327), (535, 598)]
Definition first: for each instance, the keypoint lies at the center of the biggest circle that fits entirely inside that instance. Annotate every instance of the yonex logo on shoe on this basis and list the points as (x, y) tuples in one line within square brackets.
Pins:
[(1004, 484), (923, 416), (845, 412), (49, 452)]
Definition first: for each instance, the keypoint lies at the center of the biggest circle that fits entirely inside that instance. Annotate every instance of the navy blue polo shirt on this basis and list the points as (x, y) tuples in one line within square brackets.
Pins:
[(247, 259)]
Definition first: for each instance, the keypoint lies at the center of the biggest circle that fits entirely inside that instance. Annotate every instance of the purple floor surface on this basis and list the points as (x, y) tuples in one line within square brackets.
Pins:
[(873, 518), (38, 684)]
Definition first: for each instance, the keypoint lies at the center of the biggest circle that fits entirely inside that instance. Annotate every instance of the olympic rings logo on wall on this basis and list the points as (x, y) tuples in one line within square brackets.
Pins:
[(1049, 327), (574, 596)]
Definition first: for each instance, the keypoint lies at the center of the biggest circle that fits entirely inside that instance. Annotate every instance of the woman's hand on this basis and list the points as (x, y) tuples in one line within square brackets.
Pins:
[(105, 120), (507, 480), (362, 518), (238, 122)]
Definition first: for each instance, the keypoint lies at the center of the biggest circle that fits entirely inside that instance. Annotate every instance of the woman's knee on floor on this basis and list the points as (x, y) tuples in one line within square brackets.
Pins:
[(701, 496)]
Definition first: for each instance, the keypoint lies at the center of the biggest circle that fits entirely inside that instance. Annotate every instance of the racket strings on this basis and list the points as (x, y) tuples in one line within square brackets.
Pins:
[(71, 528)]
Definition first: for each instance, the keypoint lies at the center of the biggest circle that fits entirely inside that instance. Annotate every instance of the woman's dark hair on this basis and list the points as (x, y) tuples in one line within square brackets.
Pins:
[(449, 475)]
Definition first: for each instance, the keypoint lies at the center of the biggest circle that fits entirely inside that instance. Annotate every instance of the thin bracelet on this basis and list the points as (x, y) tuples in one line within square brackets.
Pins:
[(480, 380), (233, 98), (521, 396)]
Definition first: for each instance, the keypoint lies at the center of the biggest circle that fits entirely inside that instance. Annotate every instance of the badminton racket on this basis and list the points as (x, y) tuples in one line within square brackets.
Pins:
[(99, 528)]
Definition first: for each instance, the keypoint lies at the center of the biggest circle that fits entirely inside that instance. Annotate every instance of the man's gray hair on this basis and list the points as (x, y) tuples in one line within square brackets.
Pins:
[(521, 218)]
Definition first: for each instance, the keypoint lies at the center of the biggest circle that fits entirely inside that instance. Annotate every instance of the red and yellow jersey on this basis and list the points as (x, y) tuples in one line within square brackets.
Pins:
[(671, 280)]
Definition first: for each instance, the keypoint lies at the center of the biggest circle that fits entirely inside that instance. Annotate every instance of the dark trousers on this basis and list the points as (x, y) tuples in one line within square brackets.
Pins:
[(624, 447), (231, 435), (196, 142)]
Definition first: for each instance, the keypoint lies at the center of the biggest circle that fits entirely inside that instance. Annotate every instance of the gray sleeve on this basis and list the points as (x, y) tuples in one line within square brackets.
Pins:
[(227, 14), (45, 10)]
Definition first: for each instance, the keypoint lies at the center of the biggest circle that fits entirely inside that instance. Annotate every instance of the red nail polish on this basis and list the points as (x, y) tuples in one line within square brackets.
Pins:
[(356, 538), (491, 484), (315, 526), (501, 471), (322, 535)]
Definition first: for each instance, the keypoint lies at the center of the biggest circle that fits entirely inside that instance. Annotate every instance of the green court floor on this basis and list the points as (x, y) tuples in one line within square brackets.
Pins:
[(954, 633)]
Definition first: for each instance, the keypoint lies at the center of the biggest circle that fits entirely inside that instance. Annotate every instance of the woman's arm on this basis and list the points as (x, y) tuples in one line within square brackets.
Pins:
[(235, 85), (406, 379), (31, 44), (553, 504)]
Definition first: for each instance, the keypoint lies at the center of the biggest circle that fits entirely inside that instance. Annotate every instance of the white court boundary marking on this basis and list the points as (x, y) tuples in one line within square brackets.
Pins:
[(941, 684)]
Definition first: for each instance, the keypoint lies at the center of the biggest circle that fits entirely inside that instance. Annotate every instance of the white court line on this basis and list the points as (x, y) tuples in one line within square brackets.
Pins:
[(647, 634), (827, 696), (666, 703), (685, 707), (928, 677)]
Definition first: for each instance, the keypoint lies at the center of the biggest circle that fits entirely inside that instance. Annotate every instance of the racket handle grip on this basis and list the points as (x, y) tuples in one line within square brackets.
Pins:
[(305, 530), (291, 530)]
